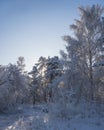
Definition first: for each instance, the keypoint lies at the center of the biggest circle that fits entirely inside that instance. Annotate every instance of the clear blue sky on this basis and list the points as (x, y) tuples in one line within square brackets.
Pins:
[(33, 28)]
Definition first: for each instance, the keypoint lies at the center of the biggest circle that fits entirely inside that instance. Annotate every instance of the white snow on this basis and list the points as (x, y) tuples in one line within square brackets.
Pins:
[(35, 117)]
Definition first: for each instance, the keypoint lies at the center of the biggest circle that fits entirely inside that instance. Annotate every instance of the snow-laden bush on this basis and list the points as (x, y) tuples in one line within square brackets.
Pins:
[(70, 110), (14, 87)]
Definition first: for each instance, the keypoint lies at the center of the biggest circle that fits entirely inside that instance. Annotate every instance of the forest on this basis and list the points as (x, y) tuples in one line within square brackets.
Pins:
[(66, 88)]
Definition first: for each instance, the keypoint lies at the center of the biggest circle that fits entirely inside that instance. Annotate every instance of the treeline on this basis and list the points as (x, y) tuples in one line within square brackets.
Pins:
[(77, 75)]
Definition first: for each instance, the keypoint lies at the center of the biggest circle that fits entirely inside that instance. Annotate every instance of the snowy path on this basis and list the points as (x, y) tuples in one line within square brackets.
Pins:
[(34, 118), (24, 113), (7, 120)]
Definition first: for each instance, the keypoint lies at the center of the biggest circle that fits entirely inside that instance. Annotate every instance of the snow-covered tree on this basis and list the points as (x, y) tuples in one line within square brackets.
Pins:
[(53, 72), (84, 48), (14, 86), (43, 75), (53, 68), (38, 82), (20, 63)]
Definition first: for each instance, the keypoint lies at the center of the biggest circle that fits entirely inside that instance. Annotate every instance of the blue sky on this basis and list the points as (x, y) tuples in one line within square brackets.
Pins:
[(33, 28)]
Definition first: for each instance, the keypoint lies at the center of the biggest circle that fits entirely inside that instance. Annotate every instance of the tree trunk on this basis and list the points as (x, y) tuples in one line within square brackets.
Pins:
[(91, 73)]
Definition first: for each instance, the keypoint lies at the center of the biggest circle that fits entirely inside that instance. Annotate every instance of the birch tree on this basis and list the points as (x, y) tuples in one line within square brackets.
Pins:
[(85, 46)]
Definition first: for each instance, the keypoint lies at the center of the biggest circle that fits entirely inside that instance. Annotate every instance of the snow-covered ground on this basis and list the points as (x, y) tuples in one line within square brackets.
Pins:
[(40, 117)]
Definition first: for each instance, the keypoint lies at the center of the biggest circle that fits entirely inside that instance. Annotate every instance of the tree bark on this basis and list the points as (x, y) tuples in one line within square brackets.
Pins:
[(91, 73)]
